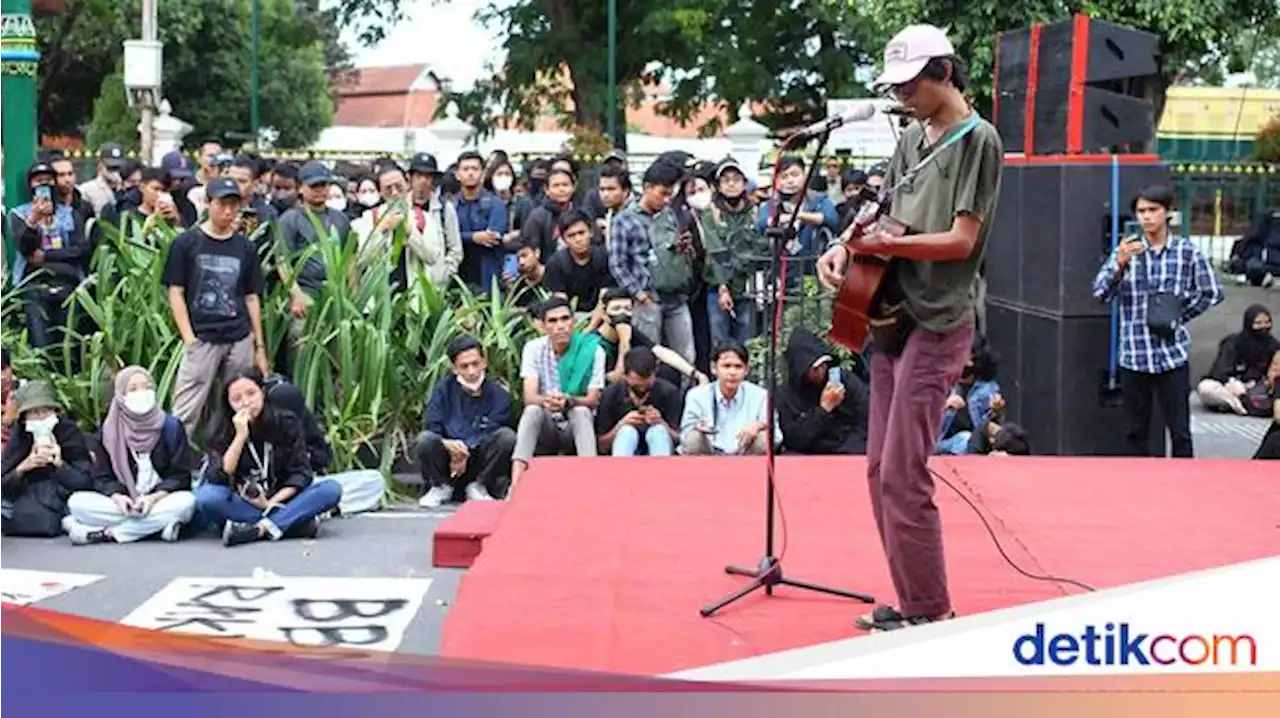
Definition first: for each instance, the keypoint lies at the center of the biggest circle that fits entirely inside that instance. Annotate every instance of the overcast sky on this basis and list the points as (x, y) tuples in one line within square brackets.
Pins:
[(442, 35)]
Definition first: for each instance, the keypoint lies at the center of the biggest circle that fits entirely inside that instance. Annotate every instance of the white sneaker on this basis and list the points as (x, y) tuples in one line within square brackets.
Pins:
[(82, 535), (477, 492), (170, 533), (1268, 280), (435, 497)]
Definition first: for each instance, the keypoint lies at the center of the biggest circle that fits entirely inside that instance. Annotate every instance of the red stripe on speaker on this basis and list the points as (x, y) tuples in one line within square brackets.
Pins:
[(1012, 159), (1079, 70), (1033, 77)]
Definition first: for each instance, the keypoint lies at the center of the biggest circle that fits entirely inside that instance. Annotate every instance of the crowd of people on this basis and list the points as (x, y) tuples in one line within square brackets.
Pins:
[(644, 298)]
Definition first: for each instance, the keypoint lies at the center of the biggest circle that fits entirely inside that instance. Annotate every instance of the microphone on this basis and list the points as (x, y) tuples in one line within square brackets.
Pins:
[(860, 113), (899, 111)]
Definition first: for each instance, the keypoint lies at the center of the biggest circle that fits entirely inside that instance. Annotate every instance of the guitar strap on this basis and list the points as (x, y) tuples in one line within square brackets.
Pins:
[(910, 176)]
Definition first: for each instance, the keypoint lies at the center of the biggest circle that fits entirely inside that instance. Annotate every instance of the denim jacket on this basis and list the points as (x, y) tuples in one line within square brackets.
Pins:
[(978, 404)]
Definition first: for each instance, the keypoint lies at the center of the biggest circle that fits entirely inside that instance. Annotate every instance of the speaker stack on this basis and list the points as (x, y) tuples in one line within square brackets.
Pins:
[(1067, 108)]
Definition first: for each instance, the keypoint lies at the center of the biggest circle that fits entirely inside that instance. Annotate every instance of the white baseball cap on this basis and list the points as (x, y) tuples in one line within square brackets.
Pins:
[(910, 50)]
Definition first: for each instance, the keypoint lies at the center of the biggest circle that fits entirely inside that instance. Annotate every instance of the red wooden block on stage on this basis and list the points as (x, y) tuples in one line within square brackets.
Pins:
[(459, 539)]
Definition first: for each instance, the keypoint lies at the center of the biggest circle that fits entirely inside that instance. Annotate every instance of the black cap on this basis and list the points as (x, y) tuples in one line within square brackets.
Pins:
[(424, 163), (313, 173), (112, 155), (616, 154), (221, 187), (40, 168)]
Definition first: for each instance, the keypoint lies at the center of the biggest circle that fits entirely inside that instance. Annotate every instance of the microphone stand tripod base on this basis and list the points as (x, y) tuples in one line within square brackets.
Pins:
[(768, 575)]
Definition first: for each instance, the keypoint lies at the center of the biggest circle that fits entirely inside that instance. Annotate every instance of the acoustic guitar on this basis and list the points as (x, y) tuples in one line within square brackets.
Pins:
[(864, 277)]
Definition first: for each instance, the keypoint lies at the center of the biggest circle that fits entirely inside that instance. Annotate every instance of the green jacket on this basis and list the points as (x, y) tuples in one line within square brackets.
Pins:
[(735, 248)]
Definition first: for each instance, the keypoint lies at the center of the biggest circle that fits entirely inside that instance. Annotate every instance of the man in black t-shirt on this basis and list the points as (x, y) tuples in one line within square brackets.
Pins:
[(643, 410), (214, 280), (579, 271)]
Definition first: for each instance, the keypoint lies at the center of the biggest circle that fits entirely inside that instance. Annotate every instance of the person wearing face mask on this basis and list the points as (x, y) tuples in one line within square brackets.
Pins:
[(735, 256), (467, 440), (44, 461), (367, 196), (284, 187), (612, 321), (303, 226), (1235, 381), (536, 179), (142, 475), (541, 224)]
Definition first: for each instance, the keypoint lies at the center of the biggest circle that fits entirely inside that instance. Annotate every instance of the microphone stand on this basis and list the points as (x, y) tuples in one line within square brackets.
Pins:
[(768, 573)]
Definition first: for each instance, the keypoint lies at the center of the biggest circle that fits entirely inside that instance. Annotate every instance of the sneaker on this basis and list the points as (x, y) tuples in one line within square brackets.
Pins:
[(1268, 280), (305, 530), (477, 492), (435, 497), (171, 532), (235, 533), (82, 535)]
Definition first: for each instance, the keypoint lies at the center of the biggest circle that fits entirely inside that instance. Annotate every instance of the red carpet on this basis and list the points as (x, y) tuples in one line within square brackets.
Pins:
[(603, 563)]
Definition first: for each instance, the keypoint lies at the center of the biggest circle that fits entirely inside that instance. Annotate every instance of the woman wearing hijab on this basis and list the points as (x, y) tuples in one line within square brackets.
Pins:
[(258, 481), (45, 459), (1235, 382), (142, 476)]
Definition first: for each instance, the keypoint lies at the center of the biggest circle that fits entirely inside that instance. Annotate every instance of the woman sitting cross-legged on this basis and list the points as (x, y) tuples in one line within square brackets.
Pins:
[(45, 460), (142, 476), (258, 481)]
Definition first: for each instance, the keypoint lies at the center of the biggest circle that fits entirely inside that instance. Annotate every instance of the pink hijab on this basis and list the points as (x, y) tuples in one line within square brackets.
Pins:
[(124, 431)]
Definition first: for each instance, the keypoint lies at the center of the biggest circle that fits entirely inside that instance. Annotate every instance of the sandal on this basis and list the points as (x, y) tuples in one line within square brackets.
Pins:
[(909, 621), (881, 615)]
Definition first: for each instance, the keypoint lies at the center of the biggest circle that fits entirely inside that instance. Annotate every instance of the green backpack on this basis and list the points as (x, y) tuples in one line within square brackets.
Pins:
[(671, 269)]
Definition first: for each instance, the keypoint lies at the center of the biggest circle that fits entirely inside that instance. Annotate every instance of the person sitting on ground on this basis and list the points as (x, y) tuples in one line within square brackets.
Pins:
[(974, 397), (258, 481), (1270, 446), (362, 489), (468, 439), (1240, 367), (563, 375), (994, 437), (44, 461), (641, 412), (822, 410), (728, 416), (1255, 257), (612, 321), (142, 476)]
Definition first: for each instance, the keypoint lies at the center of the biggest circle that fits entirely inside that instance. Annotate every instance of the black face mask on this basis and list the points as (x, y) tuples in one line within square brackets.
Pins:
[(131, 196), (284, 198), (617, 319), (536, 185)]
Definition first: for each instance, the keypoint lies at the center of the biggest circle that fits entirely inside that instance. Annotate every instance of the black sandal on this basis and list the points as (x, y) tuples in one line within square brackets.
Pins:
[(904, 622), (881, 615)]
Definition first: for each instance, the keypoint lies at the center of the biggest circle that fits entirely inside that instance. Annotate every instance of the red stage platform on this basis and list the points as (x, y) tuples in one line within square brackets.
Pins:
[(603, 563)]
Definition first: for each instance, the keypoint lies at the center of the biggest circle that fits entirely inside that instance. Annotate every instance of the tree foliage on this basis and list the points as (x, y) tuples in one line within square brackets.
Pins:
[(83, 45), (789, 56)]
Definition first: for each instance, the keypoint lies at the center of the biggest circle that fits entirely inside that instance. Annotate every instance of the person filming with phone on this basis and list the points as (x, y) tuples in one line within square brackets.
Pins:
[(640, 412), (821, 407), (54, 255), (1161, 283)]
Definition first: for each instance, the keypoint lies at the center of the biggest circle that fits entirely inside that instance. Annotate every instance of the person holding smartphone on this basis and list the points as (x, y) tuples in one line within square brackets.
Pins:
[(641, 412), (727, 416), (54, 254), (44, 461), (821, 407)]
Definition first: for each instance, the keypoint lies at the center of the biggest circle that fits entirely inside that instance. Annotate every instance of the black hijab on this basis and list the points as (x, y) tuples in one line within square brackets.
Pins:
[(1254, 347)]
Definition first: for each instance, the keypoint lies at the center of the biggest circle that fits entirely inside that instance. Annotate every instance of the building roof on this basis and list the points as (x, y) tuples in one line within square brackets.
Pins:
[(398, 96)]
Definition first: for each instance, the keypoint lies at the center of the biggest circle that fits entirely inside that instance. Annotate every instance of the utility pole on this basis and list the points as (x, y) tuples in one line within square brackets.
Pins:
[(253, 101), (21, 55), (613, 71), (148, 110)]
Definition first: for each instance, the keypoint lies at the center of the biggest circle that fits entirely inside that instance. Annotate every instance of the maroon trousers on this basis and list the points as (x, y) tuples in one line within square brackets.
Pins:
[(908, 395)]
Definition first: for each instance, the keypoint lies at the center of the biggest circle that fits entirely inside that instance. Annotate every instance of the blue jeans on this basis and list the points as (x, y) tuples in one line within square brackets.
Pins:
[(657, 441), (730, 325), (217, 504), (956, 445)]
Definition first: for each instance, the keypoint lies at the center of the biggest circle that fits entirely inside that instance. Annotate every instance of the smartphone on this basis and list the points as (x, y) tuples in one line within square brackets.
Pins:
[(43, 191), (834, 377), (165, 198)]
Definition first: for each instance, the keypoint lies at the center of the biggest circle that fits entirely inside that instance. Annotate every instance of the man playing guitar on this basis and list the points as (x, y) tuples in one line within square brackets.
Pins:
[(944, 180)]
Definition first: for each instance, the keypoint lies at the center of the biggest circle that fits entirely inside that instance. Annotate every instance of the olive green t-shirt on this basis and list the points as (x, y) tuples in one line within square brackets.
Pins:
[(963, 179)]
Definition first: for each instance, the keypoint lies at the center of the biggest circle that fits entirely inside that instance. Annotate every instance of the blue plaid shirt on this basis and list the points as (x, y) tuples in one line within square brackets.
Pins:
[(1179, 269), (631, 249)]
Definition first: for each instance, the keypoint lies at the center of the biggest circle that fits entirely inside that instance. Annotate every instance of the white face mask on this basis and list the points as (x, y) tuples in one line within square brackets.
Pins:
[(501, 183), (473, 388), (140, 402), (369, 199), (700, 201), (336, 203), (42, 428)]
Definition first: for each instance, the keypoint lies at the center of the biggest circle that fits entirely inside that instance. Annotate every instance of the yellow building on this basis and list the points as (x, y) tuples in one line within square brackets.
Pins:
[(1214, 124)]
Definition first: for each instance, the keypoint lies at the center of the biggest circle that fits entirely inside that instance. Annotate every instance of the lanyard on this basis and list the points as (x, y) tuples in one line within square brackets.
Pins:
[(909, 177), (263, 466)]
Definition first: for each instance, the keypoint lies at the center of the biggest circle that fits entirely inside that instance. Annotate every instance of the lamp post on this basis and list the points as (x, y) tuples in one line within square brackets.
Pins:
[(613, 70), (253, 100), (21, 60)]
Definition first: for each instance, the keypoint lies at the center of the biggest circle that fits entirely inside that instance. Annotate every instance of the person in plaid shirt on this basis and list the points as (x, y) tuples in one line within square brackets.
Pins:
[(1154, 363)]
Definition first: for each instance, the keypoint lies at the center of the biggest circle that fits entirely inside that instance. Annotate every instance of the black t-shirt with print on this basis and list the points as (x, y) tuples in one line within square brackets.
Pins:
[(217, 275), (582, 283)]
